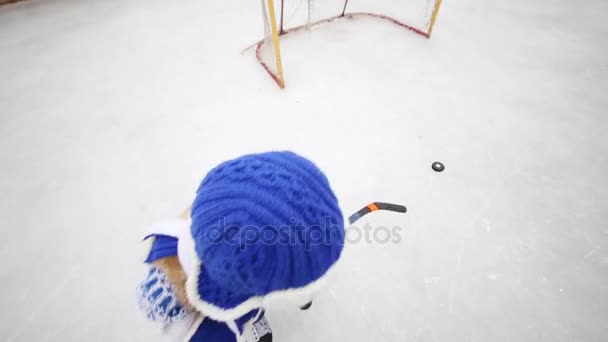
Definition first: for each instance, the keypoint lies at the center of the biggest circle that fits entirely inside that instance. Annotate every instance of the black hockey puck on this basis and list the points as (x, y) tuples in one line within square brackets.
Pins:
[(306, 307), (437, 166)]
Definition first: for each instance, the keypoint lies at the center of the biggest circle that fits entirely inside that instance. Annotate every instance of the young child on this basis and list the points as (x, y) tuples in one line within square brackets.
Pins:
[(262, 228)]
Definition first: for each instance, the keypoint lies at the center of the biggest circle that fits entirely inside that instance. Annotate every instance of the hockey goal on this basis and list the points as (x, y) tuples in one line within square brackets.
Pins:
[(282, 17)]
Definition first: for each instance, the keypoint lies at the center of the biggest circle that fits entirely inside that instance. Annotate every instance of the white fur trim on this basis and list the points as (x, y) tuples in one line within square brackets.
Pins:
[(194, 327), (260, 311), (147, 247), (185, 248), (300, 296), (175, 331), (235, 330), (172, 227), (249, 325)]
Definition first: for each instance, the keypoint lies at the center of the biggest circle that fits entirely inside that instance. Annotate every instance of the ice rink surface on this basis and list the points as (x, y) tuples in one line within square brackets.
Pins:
[(111, 112)]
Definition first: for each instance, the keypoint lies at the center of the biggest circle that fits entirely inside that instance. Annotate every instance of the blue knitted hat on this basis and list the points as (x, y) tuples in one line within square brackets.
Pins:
[(265, 226)]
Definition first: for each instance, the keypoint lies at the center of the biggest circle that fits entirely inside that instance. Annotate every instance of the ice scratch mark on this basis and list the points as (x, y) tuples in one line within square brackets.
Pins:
[(590, 253), (487, 225), (72, 321), (432, 280), (456, 271), (27, 322), (490, 155)]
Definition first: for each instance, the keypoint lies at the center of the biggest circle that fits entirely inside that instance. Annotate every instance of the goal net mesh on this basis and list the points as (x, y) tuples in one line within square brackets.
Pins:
[(293, 15), (297, 13)]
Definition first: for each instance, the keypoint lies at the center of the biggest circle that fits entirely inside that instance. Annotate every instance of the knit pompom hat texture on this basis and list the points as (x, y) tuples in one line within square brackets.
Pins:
[(265, 226)]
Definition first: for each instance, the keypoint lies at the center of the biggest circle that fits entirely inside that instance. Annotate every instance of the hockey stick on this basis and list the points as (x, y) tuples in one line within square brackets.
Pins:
[(375, 207)]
